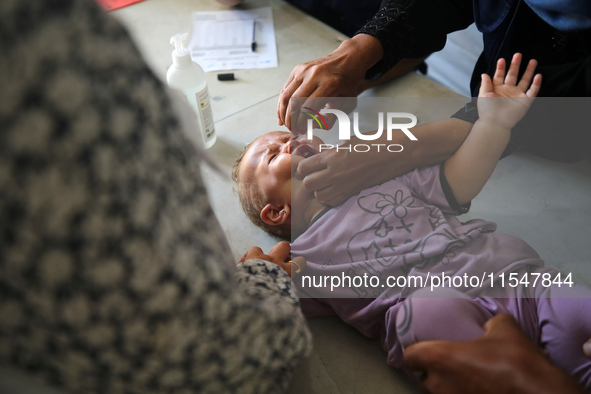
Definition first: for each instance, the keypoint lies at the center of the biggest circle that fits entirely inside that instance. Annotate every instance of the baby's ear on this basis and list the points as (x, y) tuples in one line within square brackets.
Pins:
[(274, 215)]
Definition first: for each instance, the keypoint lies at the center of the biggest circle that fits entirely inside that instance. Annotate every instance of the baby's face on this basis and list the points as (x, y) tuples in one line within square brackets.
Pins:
[(271, 161)]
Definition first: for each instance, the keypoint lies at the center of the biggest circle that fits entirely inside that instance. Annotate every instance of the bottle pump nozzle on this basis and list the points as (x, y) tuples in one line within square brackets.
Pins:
[(178, 40), (180, 55)]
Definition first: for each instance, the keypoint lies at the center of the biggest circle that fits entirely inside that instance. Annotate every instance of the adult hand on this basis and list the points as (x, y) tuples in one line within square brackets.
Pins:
[(338, 74), (501, 361), (334, 176), (278, 255)]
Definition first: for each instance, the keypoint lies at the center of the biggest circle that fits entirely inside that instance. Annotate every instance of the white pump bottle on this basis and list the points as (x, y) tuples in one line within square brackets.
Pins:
[(188, 77)]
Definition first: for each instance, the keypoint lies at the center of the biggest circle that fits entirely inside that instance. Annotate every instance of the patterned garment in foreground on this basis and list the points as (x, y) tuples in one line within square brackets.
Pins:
[(115, 276)]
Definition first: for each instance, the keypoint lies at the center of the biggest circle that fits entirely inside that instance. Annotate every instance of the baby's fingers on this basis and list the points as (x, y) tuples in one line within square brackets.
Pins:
[(535, 86), (527, 76), (280, 251), (252, 253), (587, 348), (513, 73), (486, 85), (499, 77)]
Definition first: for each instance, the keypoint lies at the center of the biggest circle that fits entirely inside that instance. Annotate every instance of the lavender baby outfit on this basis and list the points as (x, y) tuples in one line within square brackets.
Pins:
[(407, 227)]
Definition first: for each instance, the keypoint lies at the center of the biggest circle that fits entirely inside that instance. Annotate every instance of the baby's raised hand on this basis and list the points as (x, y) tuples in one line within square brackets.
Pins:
[(503, 101)]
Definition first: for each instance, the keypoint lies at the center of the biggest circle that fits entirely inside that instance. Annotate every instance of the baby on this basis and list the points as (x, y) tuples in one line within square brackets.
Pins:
[(406, 228), (264, 176)]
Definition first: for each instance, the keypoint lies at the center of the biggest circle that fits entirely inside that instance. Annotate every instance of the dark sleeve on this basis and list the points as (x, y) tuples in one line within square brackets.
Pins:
[(414, 28), (449, 195), (468, 112)]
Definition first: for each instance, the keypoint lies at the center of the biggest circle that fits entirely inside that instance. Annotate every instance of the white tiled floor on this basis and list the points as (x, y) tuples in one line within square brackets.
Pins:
[(548, 204)]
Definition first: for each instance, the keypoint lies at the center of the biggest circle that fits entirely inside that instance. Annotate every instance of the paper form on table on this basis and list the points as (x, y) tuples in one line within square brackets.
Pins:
[(223, 40)]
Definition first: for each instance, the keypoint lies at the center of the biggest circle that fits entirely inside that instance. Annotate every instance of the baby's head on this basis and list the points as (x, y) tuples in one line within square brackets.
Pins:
[(263, 174)]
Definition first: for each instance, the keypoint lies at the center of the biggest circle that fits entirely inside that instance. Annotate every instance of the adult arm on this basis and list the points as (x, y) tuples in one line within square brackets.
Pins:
[(409, 30), (414, 29)]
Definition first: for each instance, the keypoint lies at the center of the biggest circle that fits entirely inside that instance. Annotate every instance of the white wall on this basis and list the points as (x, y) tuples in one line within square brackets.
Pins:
[(453, 65)]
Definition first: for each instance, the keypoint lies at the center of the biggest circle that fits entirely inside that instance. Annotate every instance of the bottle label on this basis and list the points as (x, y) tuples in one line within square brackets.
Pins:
[(205, 113)]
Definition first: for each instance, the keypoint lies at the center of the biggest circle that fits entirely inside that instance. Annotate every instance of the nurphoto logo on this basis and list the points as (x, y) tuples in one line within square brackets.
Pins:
[(390, 119)]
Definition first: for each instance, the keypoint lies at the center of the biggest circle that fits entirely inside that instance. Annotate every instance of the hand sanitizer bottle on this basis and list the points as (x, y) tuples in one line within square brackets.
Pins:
[(188, 77)]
